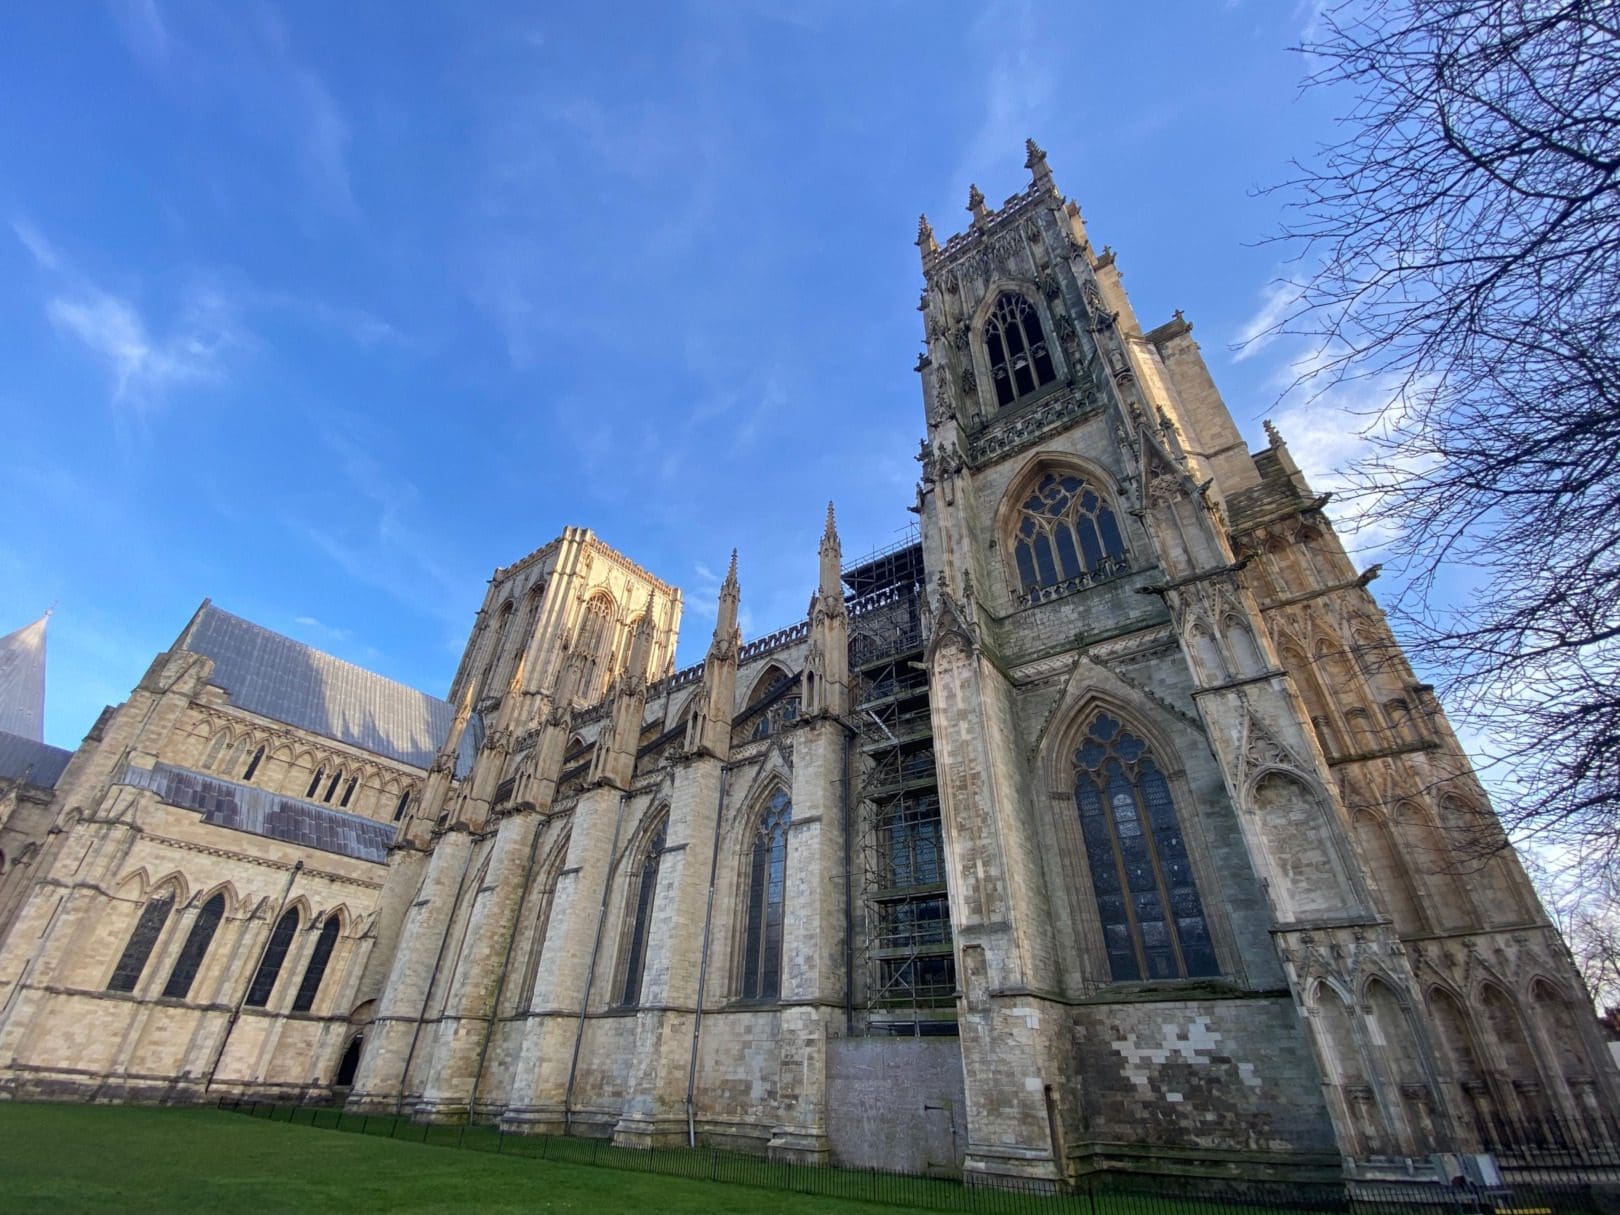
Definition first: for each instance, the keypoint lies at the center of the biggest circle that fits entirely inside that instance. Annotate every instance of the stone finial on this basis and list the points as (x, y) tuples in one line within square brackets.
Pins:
[(731, 570), (981, 215), (1035, 162), (725, 617), (1273, 434), (830, 532), (832, 554), (925, 236)]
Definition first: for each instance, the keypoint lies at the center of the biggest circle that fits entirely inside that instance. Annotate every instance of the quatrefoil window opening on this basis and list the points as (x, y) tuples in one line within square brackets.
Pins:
[(1019, 359), (1065, 529)]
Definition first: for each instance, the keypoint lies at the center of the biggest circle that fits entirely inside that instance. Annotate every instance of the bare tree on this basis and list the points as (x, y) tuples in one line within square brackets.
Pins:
[(1459, 254)]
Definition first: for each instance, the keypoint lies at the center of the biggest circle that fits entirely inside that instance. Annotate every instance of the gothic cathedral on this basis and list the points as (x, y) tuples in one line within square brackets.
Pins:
[(1104, 826)]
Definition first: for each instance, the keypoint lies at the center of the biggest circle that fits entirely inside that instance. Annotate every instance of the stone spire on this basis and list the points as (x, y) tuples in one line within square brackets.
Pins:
[(925, 237), (22, 681), (709, 729), (1035, 162), (825, 690), (981, 214)]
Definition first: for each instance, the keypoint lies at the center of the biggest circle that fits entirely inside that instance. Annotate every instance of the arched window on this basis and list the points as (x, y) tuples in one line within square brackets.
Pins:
[(1019, 360), (1152, 918), (767, 880), (253, 764), (645, 886), (315, 782), (316, 970), (348, 790), (215, 750), (275, 953), (592, 640), (331, 788), (1064, 537), (147, 929), (402, 805), (195, 949)]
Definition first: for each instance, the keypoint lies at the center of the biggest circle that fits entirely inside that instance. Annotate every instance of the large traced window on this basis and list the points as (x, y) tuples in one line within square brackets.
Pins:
[(195, 948), (767, 893), (1019, 359), (645, 888), (592, 641), (316, 970), (275, 953), (1064, 535), (139, 947), (1152, 918)]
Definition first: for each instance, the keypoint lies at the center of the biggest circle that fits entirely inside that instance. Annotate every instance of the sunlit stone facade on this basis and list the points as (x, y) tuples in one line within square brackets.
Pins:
[(1103, 826)]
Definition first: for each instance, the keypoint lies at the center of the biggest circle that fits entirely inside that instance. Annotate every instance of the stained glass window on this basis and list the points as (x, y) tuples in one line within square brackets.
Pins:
[(275, 953), (195, 948), (1153, 920), (1019, 359), (1066, 535), (767, 881), (316, 970), (646, 888), (133, 960), (592, 640)]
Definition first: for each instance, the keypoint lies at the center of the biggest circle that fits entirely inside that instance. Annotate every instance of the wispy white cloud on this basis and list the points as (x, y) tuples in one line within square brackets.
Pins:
[(41, 250), (1018, 91), (243, 55), (145, 366), (1277, 299)]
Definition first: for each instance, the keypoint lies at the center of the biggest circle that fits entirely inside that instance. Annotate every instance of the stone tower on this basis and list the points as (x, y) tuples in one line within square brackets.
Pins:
[(1210, 840)]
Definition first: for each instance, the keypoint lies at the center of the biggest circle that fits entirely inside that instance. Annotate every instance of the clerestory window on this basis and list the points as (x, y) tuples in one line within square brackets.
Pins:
[(316, 970), (1064, 536), (1019, 359), (275, 953), (1153, 920)]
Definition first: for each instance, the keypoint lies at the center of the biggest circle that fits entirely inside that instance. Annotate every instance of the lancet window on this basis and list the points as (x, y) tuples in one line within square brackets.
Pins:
[(275, 953), (645, 886), (592, 640), (141, 941), (1016, 345), (316, 970), (767, 897), (195, 948), (1153, 920), (1065, 536)]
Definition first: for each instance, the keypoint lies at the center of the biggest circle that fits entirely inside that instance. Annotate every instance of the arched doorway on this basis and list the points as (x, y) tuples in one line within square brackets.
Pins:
[(350, 1063)]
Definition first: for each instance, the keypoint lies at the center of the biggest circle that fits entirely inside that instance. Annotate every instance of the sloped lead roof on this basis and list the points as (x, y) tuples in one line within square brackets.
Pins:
[(287, 681), (40, 763), (22, 681)]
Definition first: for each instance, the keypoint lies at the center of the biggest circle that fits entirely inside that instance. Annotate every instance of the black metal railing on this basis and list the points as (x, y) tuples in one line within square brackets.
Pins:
[(1575, 1181)]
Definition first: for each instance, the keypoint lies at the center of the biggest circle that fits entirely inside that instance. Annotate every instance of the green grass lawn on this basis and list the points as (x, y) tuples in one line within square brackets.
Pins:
[(68, 1158)]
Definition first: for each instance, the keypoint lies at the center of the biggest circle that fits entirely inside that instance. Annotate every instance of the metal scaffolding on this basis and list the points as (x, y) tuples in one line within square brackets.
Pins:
[(908, 969)]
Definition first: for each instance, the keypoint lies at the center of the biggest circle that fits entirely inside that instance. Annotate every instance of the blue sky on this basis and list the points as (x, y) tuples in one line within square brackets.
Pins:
[(324, 311)]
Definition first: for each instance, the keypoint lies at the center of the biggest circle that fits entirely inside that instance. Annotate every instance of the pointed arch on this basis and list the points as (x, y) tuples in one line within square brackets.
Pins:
[(1060, 529), (593, 638), (190, 959), (643, 893), (1013, 335), (765, 888), (1147, 898), (545, 891), (216, 749), (770, 679), (1309, 685), (143, 939), (319, 957), (1390, 872), (270, 962)]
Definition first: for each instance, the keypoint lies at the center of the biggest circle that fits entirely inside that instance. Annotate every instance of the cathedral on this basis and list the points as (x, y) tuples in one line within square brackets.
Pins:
[(1101, 826)]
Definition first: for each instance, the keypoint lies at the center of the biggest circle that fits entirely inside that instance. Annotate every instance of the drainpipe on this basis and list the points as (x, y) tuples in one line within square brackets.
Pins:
[(590, 973), (236, 1010)]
